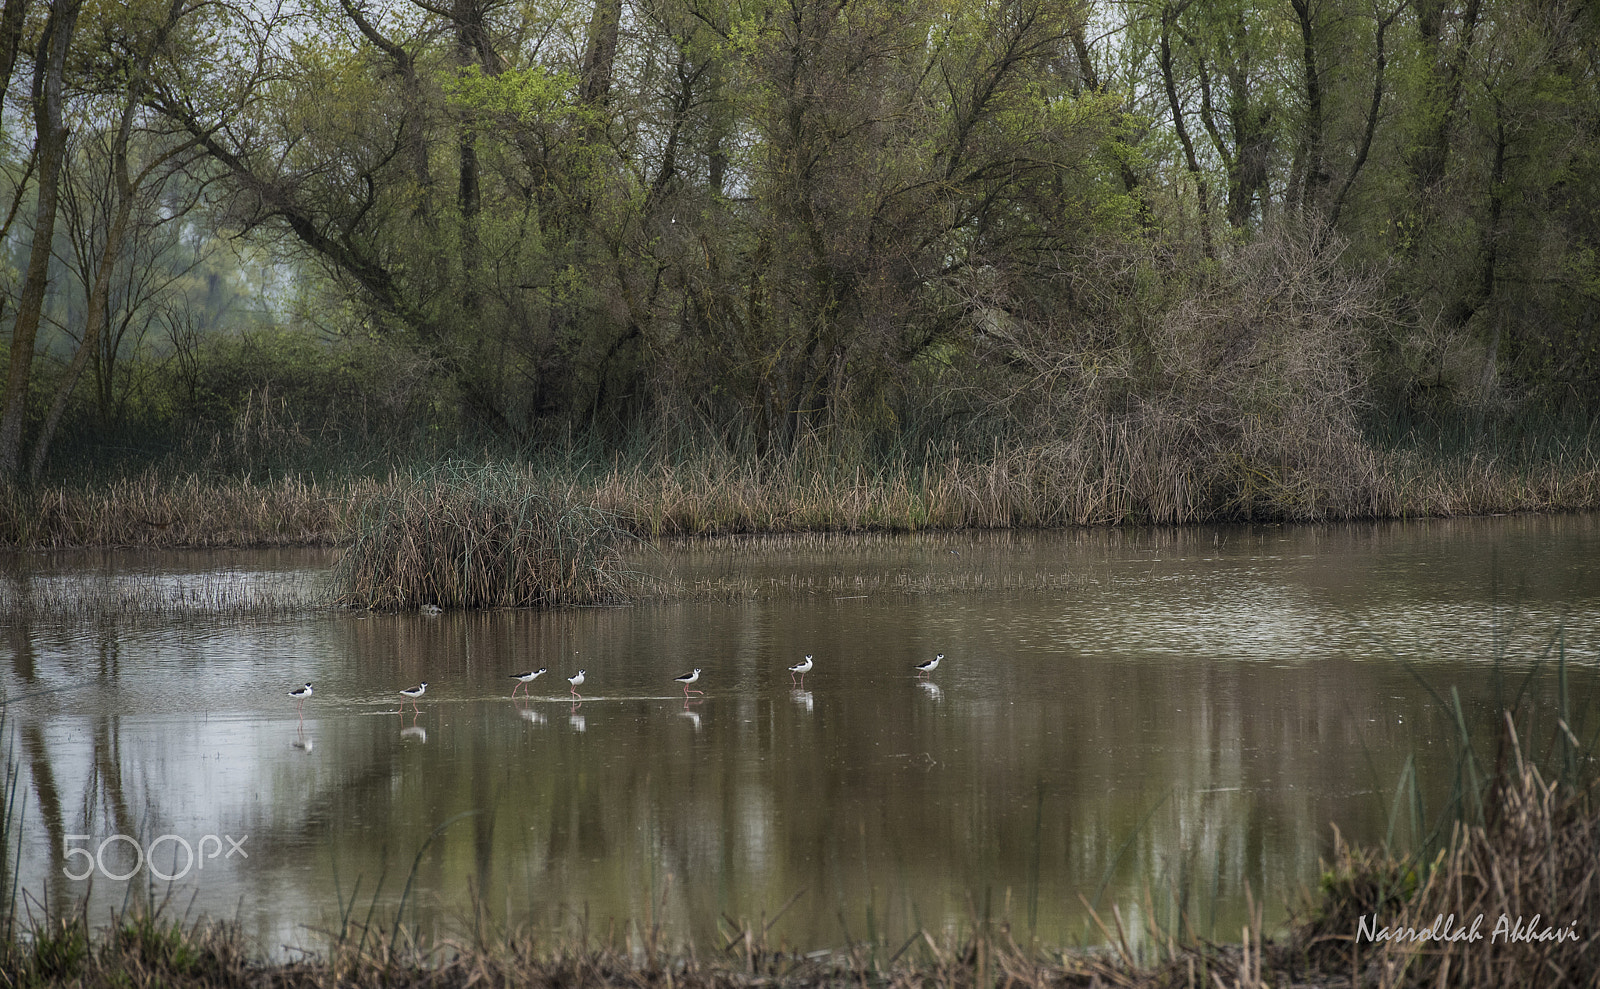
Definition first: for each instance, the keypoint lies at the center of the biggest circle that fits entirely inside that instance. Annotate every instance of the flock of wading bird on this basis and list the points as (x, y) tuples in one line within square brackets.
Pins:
[(797, 675)]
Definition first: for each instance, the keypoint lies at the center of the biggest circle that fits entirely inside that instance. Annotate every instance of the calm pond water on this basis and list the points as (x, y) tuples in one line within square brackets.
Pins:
[(1119, 715)]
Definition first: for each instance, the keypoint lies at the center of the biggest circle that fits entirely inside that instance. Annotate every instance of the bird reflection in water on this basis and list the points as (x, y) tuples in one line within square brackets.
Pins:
[(578, 722), (802, 698), (416, 732), (932, 689)]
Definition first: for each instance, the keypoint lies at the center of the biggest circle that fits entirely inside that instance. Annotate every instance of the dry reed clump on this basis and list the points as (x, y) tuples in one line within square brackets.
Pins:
[(1533, 868), (1152, 464), (153, 510), (462, 536), (1435, 486)]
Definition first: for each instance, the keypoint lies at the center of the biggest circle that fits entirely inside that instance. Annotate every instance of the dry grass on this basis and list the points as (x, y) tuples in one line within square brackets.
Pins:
[(1534, 861), (1150, 469), (1123, 473), (1433, 486), (462, 536), (152, 510), (144, 951)]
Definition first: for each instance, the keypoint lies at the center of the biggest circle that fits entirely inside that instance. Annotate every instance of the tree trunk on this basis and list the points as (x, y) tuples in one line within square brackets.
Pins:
[(1317, 178), (1202, 190), (602, 50), (1430, 158), (51, 141), (123, 188), (1380, 63), (94, 320), (10, 41)]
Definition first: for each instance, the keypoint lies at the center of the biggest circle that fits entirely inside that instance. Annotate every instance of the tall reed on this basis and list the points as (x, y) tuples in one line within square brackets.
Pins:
[(1144, 469), (1515, 844), (183, 510), (464, 536)]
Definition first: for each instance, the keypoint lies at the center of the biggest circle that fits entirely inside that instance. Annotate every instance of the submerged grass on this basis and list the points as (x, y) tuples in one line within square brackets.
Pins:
[(98, 594)]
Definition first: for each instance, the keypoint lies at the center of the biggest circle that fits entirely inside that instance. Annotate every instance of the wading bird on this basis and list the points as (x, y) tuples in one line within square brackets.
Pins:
[(687, 679), (300, 694), (526, 678)]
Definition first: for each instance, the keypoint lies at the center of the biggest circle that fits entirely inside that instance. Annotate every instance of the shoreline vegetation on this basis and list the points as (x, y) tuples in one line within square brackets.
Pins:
[(661, 496), (551, 532), (1500, 889)]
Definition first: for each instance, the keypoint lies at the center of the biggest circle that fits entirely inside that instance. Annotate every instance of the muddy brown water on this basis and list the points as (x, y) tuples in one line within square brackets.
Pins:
[(1131, 717)]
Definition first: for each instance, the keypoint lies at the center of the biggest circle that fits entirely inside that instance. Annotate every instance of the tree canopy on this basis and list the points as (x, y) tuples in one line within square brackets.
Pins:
[(793, 217)]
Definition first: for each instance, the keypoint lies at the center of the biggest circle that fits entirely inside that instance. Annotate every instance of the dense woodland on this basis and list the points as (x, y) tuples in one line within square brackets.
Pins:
[(1276, 234)]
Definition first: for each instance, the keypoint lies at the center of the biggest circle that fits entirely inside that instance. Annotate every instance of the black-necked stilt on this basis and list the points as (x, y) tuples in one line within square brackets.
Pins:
[(930, 665), (300, 694), (526, 678), (414, 693), (801, 668), (689, 678), (576, 680)]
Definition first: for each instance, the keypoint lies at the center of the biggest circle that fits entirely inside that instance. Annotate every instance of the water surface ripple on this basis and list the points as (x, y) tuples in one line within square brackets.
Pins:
[(1120, 714)]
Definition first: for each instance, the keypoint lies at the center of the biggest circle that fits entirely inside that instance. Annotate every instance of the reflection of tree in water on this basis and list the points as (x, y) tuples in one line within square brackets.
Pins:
[(1044, 770), (103, 806)]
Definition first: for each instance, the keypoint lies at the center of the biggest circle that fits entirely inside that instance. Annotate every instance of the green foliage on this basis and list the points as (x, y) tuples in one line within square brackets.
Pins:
[(784, 225), (152, 944), (60, 951), (517, 96)]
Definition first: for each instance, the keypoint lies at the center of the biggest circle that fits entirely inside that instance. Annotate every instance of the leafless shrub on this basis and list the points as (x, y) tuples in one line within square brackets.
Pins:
[(1196, 389)]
